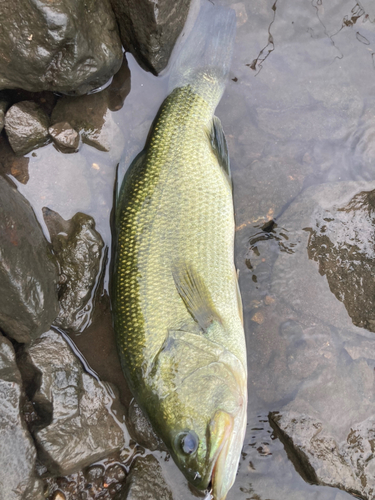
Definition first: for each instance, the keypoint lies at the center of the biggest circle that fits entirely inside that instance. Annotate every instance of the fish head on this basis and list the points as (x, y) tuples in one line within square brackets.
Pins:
[(207, 443)]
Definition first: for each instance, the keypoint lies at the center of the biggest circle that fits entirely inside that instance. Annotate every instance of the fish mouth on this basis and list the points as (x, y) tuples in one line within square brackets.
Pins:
[(221, 427)]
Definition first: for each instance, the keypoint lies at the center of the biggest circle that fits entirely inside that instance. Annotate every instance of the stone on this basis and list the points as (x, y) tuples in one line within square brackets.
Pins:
[(145, 481), (322, 247), (81, 425), (90, 116), (10, 163), (318, 457), (26, 125), (141, 429), (17, 451), (149, 29), (3, 107), (119, 88), (28, 274), (78, 249), (63, 46), (65, 137)]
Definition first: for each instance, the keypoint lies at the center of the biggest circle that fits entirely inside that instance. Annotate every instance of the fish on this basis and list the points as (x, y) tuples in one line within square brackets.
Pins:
[(176, 302)]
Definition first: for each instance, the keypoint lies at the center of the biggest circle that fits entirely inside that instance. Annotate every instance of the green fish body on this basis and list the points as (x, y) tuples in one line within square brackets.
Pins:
[(176, 303)]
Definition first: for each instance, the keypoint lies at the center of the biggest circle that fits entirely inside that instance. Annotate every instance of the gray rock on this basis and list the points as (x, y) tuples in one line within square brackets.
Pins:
[(17, 451), (145, 482), (318, 457), (150, 29), (82, 427), (90, 116), (325, 254), (141, 429), (64, 46), (26, 125), (28, 275), (78, 250), (65, 137)]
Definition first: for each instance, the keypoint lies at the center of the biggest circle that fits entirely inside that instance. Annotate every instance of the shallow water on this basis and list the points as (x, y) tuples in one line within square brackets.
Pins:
[(298, 111)]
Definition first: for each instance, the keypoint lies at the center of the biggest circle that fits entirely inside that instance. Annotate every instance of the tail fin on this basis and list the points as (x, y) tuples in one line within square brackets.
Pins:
[(204, 60)]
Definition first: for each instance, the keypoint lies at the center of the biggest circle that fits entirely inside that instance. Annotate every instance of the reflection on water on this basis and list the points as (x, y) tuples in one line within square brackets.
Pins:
[(298, 113)]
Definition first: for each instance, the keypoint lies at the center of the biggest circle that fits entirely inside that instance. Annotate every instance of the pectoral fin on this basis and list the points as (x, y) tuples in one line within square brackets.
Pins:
[(194, 292), (219, 146)]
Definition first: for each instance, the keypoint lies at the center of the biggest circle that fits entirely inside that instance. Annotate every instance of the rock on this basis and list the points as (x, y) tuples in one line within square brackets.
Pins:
[(17, 451), (10, 163), (82, 428), (3, 107), (342, 242), (141, 429), (119, 88), (78, 250), (318, 457), (26, 125), (61, 46), (65, 137), (90, 116), (325, 255), (28, 275), (145, 482), (150, 29)]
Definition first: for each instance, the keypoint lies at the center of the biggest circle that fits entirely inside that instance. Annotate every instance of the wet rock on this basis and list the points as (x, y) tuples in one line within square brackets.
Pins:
[(26, 125), (62, 46), (141, 429), (90, 116), (28, 275), (318, 457), (145, 482), (78, 250), (10, 163), (149, 30), (342, 242), (326, 259), (64, 136), (119, 88), (17, 451), (81, 428)]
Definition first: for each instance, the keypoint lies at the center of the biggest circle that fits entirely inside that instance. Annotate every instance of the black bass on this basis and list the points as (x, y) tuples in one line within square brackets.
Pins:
[(176, 303)]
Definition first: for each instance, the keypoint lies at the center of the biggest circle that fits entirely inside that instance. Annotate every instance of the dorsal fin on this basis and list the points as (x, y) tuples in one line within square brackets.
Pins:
[(219, 145), (194, 292)]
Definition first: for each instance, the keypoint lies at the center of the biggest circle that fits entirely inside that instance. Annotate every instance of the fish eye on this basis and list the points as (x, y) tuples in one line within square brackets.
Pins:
[(189, 442)]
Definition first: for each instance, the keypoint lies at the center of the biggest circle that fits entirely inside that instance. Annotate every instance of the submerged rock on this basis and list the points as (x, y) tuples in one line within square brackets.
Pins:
[(149, 29), (17, 451), (65, 137), (81, 426), (90, 116), (141, 429), (327, 254), (10, 163), (28, 275), (63, 46), (78, 250), (26, 125), (322, 276), (145, 482)]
